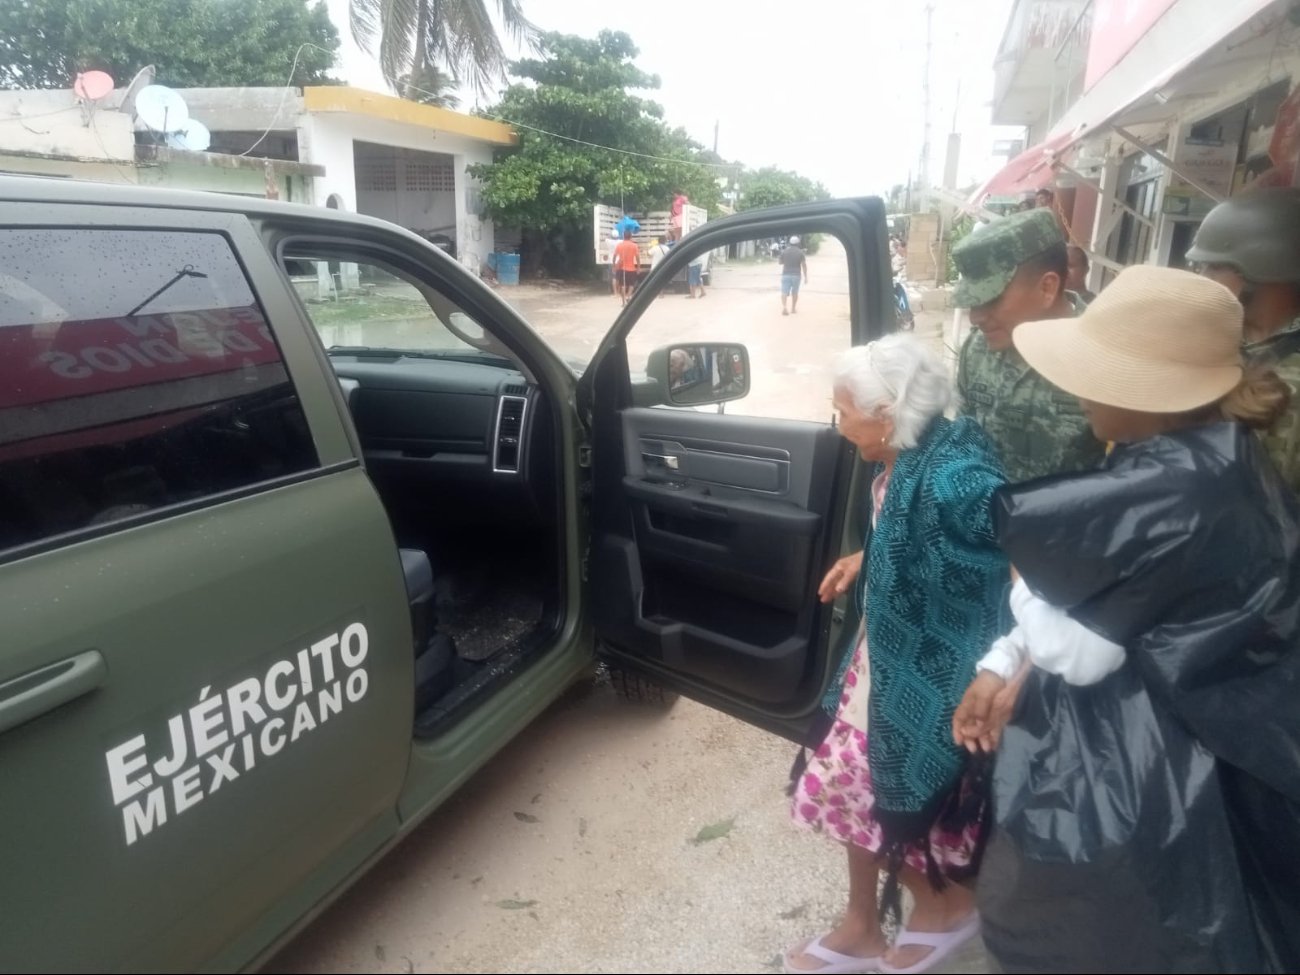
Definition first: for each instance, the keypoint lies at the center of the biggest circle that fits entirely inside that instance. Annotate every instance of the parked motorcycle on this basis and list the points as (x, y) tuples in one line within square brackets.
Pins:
[(898, 264), (906, 321)]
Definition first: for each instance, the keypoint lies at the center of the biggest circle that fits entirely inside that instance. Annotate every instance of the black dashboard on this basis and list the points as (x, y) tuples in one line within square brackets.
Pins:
[(450, 431)]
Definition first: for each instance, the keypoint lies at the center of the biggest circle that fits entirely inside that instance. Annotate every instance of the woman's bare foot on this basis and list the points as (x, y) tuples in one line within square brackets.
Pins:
[(854, 937), (934, 913)]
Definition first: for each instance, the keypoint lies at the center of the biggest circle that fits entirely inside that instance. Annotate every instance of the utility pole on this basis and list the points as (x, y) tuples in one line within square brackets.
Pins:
[(715, 137), (923, 181)]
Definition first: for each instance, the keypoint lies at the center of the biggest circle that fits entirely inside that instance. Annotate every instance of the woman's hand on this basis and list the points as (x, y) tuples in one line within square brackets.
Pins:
[(971, 725), (986, 708), (840, 577)]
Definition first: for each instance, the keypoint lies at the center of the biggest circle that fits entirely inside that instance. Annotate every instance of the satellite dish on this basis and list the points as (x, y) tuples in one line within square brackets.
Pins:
[(93, 85), (194, 137), (142, 79), (161, 109)]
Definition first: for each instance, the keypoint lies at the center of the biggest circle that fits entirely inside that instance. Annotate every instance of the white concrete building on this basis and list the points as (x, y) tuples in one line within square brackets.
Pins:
[(402, 161), (326, 146), (53, 133)]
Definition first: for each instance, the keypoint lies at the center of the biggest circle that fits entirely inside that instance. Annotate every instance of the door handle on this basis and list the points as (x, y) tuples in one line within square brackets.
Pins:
[(671, 461), (705, 510), (49, 687)]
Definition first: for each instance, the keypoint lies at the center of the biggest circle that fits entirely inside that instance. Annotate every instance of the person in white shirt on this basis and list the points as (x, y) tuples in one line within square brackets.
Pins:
[(1147, 786)]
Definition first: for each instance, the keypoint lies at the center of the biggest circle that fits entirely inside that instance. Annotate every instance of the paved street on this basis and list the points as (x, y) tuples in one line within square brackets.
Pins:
[(615, 837), (790, 357)]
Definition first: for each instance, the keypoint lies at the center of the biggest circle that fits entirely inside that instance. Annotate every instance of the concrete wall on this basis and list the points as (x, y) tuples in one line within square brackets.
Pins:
[(52, 123), (923, 247), (244, 109), (326, 138), (103, 172), (243, 182)]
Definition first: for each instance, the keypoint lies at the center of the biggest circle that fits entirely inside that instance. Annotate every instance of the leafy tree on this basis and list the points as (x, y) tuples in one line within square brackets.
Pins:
[(432, 87), (410, 35), (199, 43), (585, 138), (771, 187)]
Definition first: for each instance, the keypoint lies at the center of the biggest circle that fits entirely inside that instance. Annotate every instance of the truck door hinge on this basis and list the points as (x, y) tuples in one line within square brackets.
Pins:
[(584, 456)]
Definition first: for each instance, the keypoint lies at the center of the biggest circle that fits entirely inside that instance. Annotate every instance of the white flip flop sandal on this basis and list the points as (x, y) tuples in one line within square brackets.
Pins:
[(836, 963), (941, 945)]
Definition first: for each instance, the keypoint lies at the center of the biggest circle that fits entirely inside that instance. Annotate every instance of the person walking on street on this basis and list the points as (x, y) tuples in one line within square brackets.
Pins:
[(1251, 245), (627, 258), (695, 274), (1013, 272), (794, 262)]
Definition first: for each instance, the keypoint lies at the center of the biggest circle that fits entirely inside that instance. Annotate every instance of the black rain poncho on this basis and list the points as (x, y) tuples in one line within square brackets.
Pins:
[(1151, 822)]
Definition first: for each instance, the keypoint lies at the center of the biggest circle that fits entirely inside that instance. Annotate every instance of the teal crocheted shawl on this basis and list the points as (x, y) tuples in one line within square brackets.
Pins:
[(933, 591)]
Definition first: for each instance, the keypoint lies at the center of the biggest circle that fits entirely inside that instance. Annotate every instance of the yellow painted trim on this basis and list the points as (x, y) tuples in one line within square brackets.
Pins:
[(358, 101)]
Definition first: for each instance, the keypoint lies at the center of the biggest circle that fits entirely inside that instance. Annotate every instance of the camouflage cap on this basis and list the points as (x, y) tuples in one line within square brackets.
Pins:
[(987, 261)]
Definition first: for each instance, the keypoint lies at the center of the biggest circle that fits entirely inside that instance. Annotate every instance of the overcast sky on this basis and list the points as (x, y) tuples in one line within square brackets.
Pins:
[(830, 88)]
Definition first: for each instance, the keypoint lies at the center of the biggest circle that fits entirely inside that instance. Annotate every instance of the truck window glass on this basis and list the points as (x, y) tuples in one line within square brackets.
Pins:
[(137, 371), (786, 299), (359, 305)]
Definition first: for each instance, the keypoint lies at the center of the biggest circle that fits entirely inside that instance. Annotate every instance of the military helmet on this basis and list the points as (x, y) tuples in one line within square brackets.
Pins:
[(1258, 233)]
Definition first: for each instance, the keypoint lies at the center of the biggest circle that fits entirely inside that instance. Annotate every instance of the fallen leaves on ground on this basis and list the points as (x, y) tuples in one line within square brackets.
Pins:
[(716, 831)]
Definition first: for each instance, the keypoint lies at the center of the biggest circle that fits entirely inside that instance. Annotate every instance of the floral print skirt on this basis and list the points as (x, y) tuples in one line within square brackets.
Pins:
[(834, 796)]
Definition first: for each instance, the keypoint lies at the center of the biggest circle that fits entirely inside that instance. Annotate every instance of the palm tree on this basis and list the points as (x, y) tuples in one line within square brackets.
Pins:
[(432, 86), (411, 35)]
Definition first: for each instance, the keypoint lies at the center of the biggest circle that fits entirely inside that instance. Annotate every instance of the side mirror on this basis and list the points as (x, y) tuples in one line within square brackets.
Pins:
[(706, 372)]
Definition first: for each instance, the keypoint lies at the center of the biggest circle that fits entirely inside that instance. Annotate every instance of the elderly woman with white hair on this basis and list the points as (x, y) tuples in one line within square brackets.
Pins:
[(931, 587)]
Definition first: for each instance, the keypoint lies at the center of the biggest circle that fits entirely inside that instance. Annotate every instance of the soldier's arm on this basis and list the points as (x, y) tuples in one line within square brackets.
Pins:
[(963, 367), (1282, 440), (1080, 448)]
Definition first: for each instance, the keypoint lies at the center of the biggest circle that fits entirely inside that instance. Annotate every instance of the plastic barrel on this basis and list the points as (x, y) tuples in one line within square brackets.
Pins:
[(508, 268), (492, 260)]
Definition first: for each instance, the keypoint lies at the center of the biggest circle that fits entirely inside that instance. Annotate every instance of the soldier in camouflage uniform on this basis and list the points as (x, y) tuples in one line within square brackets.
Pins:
[(1251, 244), (1012, 272)]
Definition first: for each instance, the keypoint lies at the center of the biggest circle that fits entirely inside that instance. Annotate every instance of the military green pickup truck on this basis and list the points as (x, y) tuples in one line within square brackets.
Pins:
[(300, 523)]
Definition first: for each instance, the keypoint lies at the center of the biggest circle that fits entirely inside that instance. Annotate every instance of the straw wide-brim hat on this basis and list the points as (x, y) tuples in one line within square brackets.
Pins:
[(1157, 340)]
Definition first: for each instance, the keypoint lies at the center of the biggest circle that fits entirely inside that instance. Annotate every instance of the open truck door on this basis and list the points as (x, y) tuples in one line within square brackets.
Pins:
[(711, 531)]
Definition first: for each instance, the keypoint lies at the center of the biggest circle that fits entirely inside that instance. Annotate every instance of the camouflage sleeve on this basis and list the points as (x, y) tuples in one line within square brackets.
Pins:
[(1282, 440), (963, 366), (1083, 451)]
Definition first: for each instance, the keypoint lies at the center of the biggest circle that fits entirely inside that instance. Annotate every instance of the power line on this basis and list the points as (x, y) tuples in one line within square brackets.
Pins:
[(597, 145), (496, 118), (581, 142), (288, 87)]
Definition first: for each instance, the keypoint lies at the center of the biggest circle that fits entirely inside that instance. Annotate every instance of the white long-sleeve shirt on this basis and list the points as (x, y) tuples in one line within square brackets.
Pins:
[(1053, 641)]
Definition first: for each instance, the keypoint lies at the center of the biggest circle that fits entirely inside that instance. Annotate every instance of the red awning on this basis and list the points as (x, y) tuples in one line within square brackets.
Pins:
[(1032, 170)]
